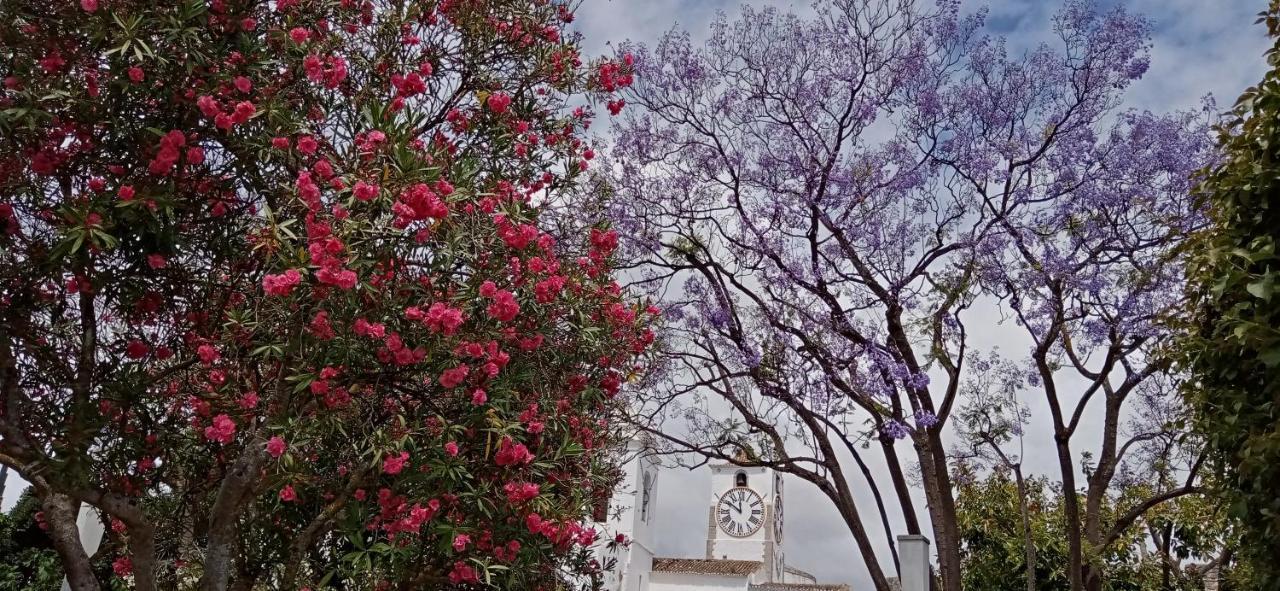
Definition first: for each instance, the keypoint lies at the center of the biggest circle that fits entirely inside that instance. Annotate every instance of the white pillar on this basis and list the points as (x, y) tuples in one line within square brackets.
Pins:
[(913, 554)]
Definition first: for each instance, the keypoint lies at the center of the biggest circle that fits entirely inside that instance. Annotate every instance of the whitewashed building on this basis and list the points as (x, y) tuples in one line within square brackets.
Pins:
[(744, 534)]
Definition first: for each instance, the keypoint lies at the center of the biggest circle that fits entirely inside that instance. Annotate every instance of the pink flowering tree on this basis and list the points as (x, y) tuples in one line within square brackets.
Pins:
[(843, 213), (275, 298)]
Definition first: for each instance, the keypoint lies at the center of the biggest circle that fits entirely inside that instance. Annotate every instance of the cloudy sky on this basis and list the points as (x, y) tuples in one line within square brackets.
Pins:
[(1201, 47)]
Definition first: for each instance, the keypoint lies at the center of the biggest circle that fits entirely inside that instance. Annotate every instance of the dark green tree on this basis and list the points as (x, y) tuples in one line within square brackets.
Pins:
[(1232, 343), (1166, 550), (27, 558)]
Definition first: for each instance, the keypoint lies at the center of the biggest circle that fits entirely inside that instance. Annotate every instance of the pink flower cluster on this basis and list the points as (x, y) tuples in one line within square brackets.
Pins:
[(504, 307), (329, 71), (421, 202), (395, 464), (516, 236), (170, 151), (520, 492), (511, 453), (223, 430), (281, 284), (276, 446), (440, 317), (396, 516), (451, 378)]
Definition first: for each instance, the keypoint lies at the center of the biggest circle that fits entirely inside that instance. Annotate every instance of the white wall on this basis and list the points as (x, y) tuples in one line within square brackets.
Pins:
[(695, 582), (625, 517)]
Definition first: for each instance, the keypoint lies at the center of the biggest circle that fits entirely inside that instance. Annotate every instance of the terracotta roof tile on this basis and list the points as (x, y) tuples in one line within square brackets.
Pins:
[(705, 566)]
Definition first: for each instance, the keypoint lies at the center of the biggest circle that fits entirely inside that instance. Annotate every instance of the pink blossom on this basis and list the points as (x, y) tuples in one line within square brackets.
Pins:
[(122, 566), (208, 354), (89, 5), (504, 307), (137, 349), (498, 102), (299, 35), (478, 397), (223, 430), (442, 318), (287, 494), (463, 573), (451, 378), (512, 454), (521, 492), (307, 145), (451, 448), (365, 191), (281, 284), (460, 542), (249, 401), (276, 446), (394, 464)]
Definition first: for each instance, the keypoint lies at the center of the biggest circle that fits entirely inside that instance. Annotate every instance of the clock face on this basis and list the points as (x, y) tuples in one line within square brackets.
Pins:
[(740, 512)]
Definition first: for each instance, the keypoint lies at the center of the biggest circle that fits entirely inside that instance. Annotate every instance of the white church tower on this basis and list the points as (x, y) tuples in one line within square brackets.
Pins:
[(744, 533), (746, 518), (630, 512)]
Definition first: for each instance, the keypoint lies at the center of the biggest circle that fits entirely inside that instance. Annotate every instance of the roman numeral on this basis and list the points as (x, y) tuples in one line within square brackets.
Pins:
[(757, 511), (755, 502)]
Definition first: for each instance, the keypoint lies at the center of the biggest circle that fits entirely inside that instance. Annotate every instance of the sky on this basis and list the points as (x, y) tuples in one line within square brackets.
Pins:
[(1200, 47)]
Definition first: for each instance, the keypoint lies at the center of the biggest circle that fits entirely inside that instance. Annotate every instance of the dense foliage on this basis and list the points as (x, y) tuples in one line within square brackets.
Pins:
[(1233, 345), (275, 297), (1167, 552), (845, 212), (27, 558)]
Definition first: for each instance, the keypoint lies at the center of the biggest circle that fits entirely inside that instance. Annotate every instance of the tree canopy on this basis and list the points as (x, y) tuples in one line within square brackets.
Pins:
[(1232, 346), (276, 296)]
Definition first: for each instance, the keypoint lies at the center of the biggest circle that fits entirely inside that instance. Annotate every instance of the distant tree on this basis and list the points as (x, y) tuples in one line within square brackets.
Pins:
[(1232, 345), (990, 509), (276, 298), (27, 558), (837, 209)]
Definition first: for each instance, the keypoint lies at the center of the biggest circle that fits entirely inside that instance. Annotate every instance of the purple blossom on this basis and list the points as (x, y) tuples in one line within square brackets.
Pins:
[(925, 419), (894, 429)]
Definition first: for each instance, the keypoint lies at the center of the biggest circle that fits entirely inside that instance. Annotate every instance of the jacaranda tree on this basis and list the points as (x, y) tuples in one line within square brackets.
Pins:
[(842, 210), (276, 299)]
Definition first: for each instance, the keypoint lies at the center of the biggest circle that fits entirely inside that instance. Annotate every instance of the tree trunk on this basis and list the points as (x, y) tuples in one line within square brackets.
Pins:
[(1071, 509), (900, 485), (1099, 482), (1028, 542), (60, 513), (942, 507), (223, 517), (843, 499)]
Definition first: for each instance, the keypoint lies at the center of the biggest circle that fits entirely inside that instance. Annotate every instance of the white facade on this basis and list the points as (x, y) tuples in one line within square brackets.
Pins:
[(630, 513), (744, 534)]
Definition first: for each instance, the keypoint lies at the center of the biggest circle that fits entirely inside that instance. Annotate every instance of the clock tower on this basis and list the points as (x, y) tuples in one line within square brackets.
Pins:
[(746, 517)]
